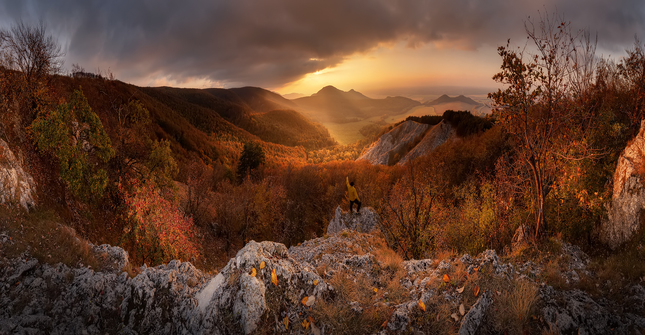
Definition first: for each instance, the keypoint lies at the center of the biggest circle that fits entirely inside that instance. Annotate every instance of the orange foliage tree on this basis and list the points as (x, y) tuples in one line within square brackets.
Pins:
[(538, 106), (157, 231)]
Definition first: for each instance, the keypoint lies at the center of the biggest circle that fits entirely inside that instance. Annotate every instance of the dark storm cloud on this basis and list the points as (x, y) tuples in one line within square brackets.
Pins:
[(272, 42)]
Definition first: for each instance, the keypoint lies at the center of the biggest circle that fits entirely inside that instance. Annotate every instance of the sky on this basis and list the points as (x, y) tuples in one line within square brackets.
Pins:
[(377, 47)]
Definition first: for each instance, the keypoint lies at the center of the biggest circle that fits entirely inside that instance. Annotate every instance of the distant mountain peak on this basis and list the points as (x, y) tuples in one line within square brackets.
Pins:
[(329, 89), (446, 99)]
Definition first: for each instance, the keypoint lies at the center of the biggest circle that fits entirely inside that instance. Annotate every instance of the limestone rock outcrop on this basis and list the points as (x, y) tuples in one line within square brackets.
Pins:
[(17, 187), (365, 222), (39, 298), (268, 288), (240, 297), (394, 142), (436, 136), (628, 200)]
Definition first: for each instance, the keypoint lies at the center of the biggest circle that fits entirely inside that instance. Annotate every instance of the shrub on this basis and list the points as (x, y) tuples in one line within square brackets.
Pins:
[(411, 214), (156, 230)]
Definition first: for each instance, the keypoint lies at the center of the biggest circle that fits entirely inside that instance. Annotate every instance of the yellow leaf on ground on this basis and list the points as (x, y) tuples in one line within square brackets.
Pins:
[(476, 290), (446, 278), (274, 278), (461, 289), (286, 322), (305, 324), (375, 290), (304, 300), (253, 272), (315, 282), (262, 265), (422, 305)]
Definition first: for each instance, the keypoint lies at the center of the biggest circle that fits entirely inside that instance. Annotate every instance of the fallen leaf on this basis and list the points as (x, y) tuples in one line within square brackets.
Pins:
[(305, 324), (384, 324), (310, 319), (315, 282), (274, 278), (262, 265), (476, 290), (253, 272), (461, 289), (446, 278), (499, 293), (462, 310), (375, 290), (454, 316), (422, 305), (304, 300), (286, 322), (310, 301), (476, 269)]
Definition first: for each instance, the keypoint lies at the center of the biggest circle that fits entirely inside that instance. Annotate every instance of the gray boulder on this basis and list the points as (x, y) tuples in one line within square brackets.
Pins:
[(367, 222), (235, 297), (628, 199), (475, 316)]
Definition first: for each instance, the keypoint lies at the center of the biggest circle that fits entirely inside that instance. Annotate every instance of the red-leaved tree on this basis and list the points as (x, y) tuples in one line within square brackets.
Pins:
[(156, 230)]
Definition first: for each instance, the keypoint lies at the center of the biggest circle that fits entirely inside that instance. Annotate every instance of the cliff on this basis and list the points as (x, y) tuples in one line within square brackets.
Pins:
[(395, 142)]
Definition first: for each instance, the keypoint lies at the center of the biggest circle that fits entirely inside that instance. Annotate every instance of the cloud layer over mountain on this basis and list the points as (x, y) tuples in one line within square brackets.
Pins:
[(268, 43)]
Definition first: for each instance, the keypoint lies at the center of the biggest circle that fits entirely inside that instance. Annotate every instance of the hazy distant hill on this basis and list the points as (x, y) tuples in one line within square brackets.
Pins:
[(446, 99), (333, 105), (445, 102), (262, 101)]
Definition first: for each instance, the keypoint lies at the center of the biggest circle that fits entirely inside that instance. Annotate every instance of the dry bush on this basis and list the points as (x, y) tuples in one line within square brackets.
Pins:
[(336, 312), (515, 306), (42, 235)]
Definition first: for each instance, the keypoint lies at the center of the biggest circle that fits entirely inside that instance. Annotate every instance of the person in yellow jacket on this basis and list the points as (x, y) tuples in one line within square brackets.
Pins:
[(353, 197)]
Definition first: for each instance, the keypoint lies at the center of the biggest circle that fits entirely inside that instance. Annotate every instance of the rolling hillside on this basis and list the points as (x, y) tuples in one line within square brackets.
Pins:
[(246, 108), (187, 117)]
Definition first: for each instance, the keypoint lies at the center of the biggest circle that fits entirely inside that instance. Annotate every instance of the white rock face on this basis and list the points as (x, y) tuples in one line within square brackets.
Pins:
[(239, 299), (394, 142), (16, 185), (39, 298), (366, 222), (177, 298), (436, 136), (628, 200)]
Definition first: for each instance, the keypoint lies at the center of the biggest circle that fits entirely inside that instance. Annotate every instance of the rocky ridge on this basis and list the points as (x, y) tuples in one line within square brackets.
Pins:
[(394, 142), (269, 288), (436, 136)]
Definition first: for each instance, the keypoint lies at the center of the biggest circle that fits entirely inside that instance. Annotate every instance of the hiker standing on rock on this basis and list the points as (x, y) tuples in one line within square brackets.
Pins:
[(353, 197)]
